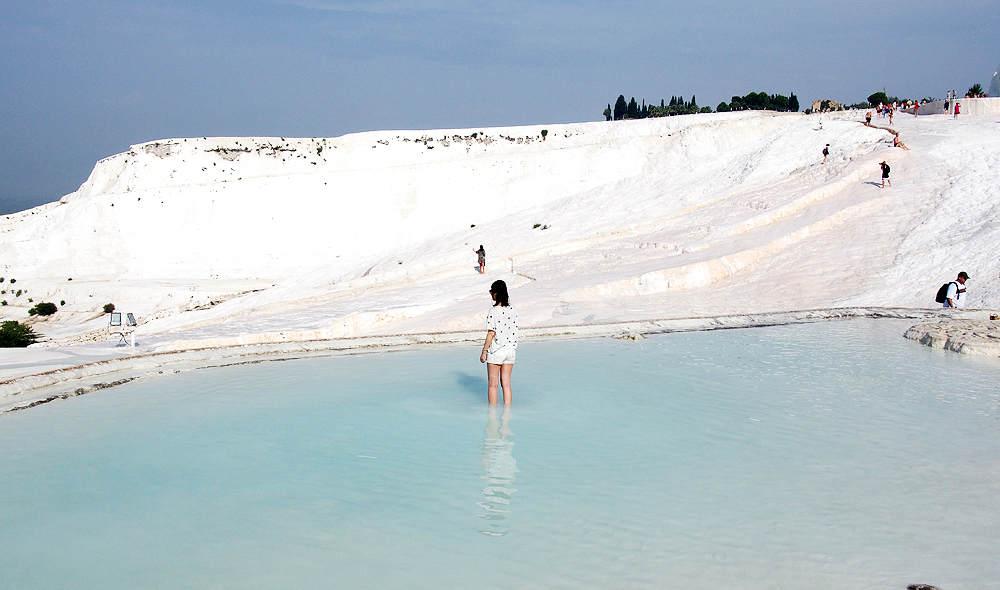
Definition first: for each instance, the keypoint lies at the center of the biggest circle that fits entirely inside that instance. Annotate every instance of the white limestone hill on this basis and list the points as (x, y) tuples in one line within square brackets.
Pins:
[(219, 241)]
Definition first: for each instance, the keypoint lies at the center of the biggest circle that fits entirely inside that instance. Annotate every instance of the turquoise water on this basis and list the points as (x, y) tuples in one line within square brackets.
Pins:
[(830, 455)]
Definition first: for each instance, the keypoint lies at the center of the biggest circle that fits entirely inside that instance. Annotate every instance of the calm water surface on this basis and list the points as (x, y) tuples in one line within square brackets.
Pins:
[(830, 455)]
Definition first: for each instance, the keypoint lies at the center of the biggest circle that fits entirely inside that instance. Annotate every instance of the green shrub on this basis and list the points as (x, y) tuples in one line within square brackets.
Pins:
[(12, 281), (16, 335), (3, 303), (544, 133), (109, 307), (63, 302), (18, 294), (43, 309)]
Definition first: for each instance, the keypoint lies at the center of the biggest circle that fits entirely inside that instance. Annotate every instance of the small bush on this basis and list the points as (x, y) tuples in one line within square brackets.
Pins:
[(544, 133), (109, 307), (62, 303), (16, 335), (18, 294), (12, 281), (43, 309), (3, 303)]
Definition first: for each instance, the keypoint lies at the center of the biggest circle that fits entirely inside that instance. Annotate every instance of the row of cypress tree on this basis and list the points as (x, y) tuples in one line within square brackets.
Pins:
[(679, 106)]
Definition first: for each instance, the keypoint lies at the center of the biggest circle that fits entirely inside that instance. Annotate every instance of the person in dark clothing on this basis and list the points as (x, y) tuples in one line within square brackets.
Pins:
[(885, 174), (482, 258), (826, 152)]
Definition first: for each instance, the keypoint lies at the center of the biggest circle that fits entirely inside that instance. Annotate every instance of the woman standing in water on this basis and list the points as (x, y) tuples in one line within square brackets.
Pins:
[(501, 343)]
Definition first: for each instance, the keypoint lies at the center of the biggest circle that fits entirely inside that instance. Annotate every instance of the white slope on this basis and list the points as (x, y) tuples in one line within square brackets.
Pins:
[(220, 241)]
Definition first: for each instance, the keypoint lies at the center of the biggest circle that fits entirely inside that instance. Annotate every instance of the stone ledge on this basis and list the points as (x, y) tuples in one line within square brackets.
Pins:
[(975, 337), (30, 390)]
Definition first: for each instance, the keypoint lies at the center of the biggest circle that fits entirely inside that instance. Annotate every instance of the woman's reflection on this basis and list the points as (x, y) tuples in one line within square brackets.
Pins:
[(499, 469)]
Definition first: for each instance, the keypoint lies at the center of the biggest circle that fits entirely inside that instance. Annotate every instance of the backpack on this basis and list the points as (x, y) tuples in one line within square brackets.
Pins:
[(942, 294)]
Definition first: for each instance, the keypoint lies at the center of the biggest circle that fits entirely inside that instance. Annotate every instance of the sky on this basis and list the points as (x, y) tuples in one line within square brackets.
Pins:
[(81, 80)]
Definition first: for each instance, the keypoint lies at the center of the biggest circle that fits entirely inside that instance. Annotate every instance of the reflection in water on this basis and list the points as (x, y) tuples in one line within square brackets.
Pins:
[(499, 468)]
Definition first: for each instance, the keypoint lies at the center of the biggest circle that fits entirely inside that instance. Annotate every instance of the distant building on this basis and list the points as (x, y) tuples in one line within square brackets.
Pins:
[(995, 84), (823, 105)]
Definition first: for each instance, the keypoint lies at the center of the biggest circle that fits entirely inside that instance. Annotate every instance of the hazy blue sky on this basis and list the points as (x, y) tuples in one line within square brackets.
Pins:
[(81, 79)]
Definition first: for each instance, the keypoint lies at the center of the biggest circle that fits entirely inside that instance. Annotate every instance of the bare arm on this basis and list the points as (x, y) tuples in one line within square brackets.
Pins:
[(489, 340)]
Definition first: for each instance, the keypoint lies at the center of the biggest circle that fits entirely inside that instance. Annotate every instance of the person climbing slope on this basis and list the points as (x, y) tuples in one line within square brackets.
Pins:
[(482, 258), (885, 173)]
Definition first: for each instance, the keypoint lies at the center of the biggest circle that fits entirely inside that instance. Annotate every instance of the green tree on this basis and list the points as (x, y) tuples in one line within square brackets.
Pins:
[(793, 102), (878, 98), (633, 109), (722, 108), (16, 335), (621, 108), (976, 90)]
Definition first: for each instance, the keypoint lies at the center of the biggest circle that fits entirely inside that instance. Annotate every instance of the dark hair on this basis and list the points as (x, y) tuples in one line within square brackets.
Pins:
[(499, 288)]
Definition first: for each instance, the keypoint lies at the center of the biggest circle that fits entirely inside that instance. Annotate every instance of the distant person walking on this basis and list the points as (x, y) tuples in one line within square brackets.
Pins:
[(885, 173), (916, 109), (826, 152), (482, 258), (501, 343), (955, 294), (892, 111), (958, 109), (868, 119)]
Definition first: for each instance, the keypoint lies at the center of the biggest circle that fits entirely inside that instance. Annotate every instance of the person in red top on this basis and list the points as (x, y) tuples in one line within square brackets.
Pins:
[(958, 109)]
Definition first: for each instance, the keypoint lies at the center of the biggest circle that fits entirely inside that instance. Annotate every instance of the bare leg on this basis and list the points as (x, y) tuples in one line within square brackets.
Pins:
[(508, 391), (493, 374)]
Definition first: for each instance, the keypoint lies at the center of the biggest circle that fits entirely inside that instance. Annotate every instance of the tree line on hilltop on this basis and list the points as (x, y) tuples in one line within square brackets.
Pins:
[(755, 101)]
